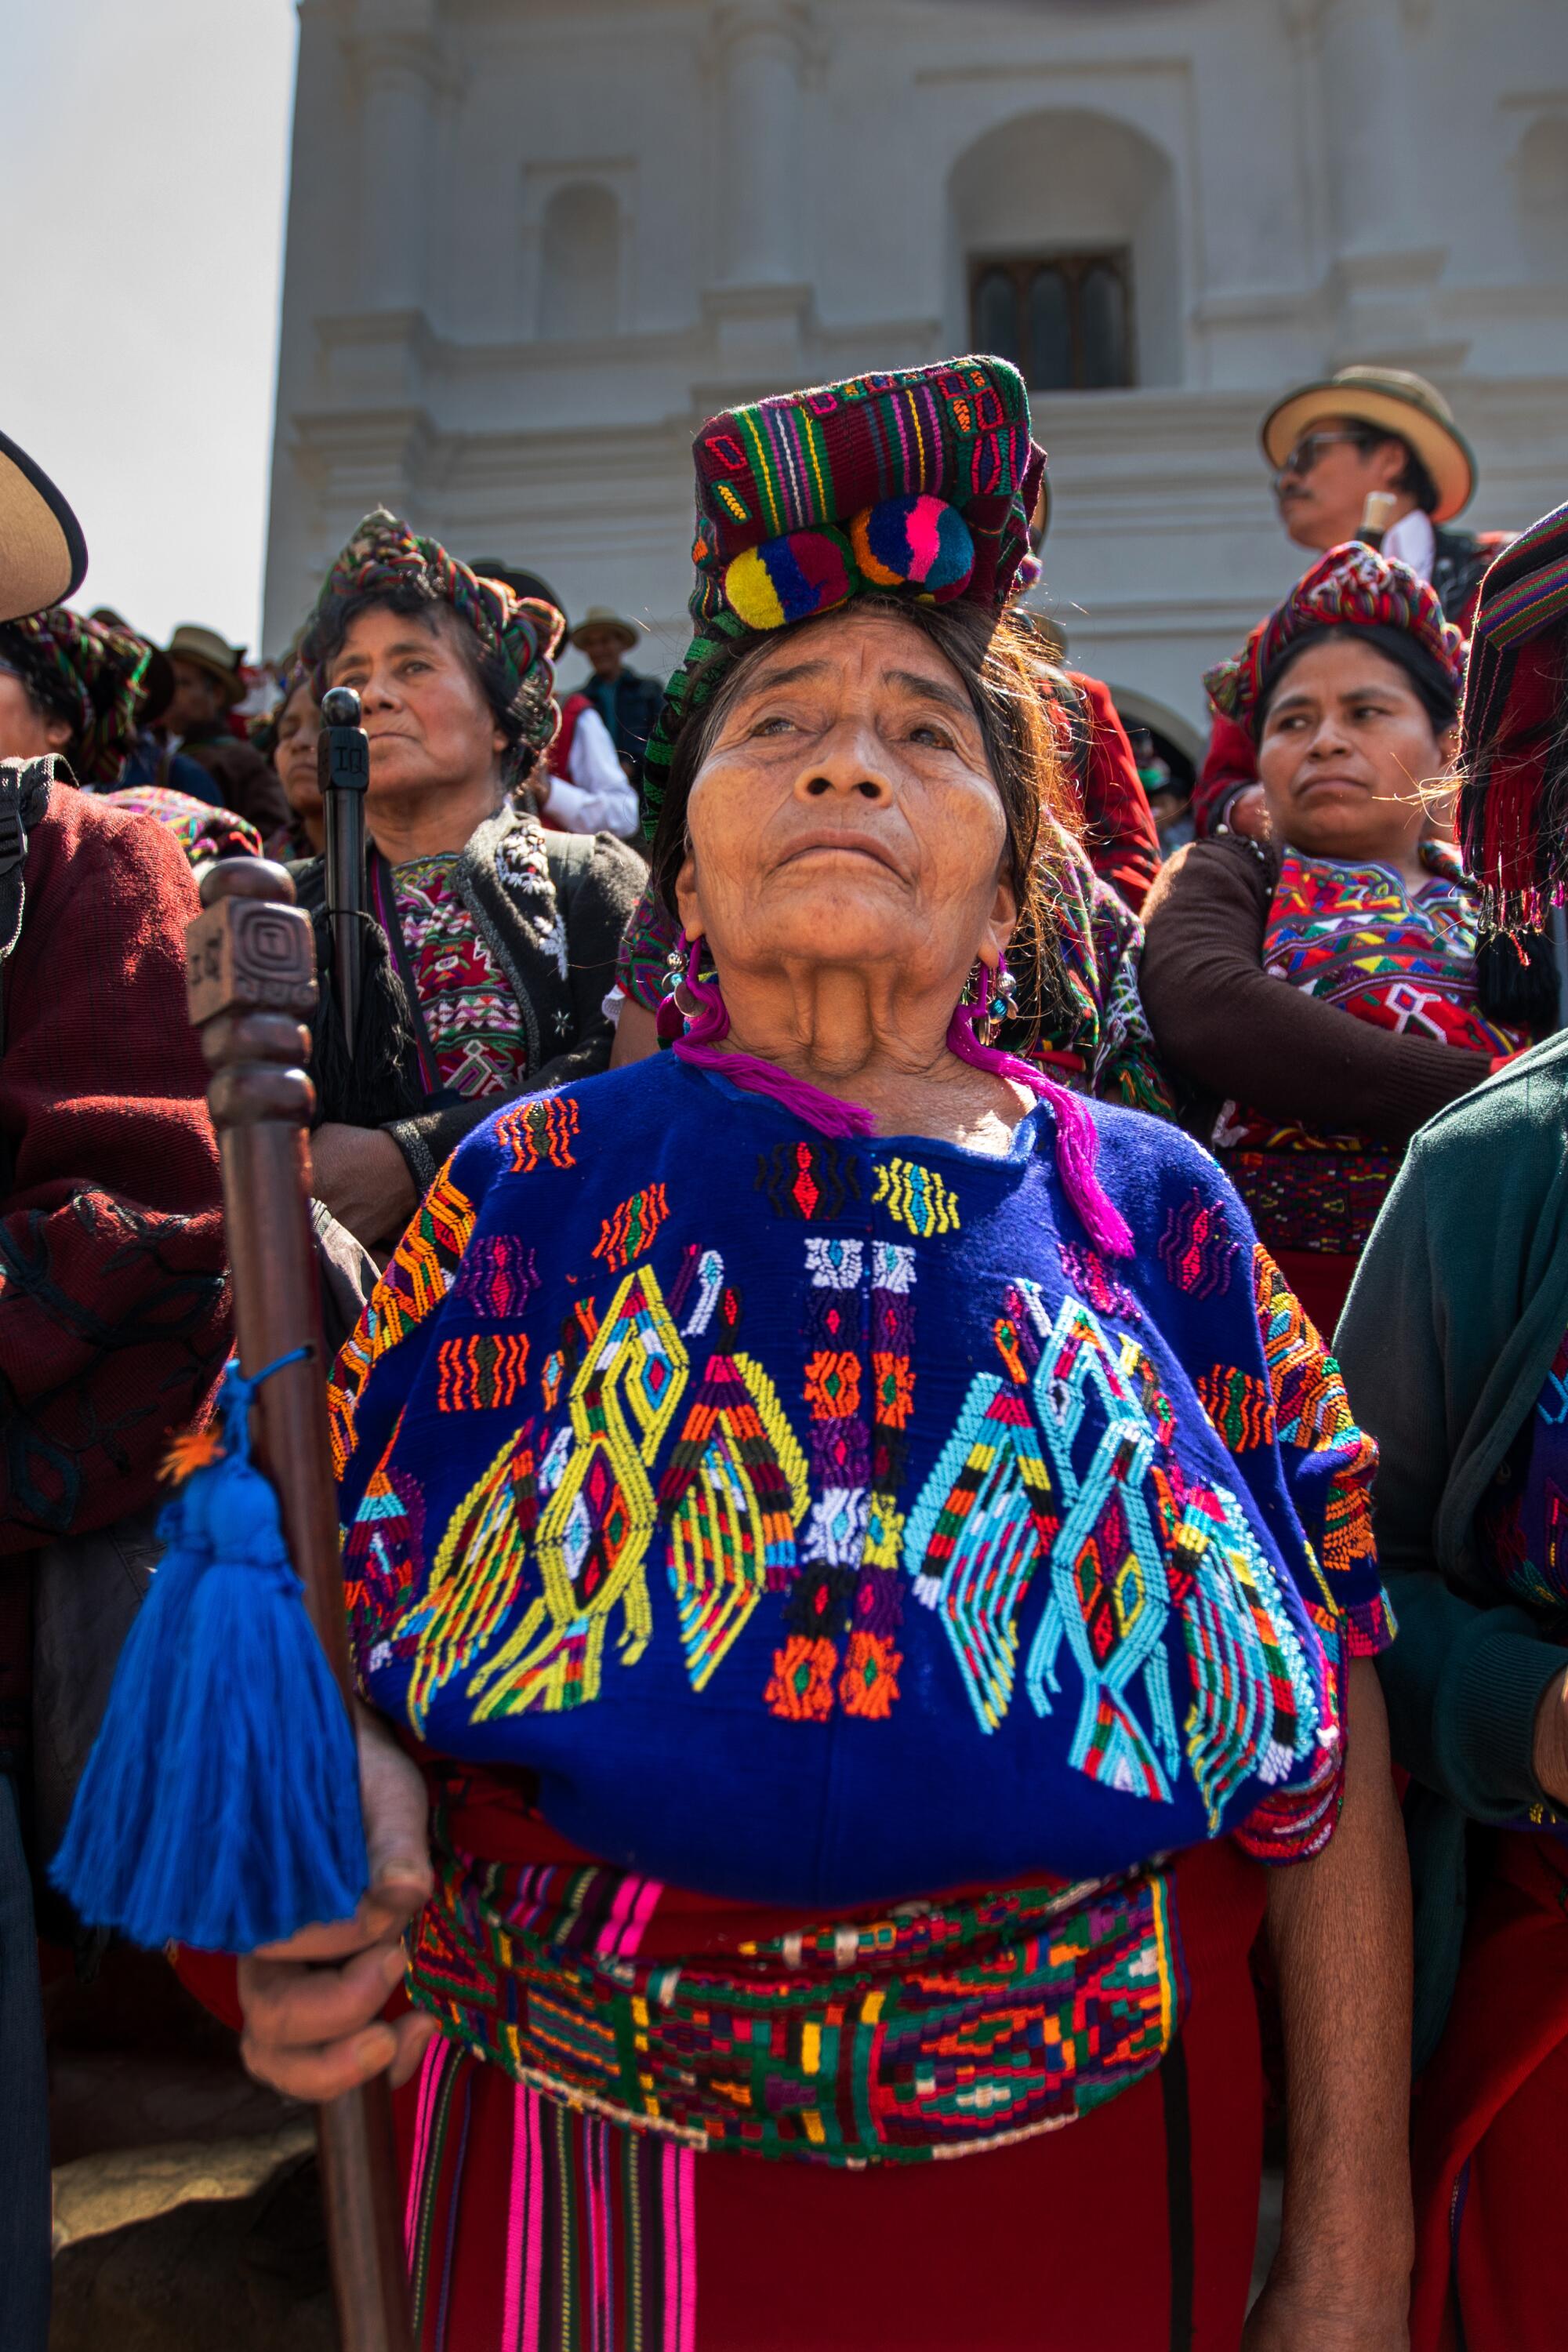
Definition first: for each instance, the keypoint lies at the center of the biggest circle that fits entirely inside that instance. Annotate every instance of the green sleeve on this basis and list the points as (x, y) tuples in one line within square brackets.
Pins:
[(1462, 1680)]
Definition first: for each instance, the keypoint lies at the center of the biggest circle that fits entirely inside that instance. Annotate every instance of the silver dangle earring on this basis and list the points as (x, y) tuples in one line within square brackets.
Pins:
[(674, 969), (1002, 1001)]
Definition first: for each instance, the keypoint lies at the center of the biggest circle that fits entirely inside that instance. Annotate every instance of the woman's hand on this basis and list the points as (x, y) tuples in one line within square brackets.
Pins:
[(364, 1179), (1551, 1758), (312, 2006), (1248, 814), (1290, 2318)]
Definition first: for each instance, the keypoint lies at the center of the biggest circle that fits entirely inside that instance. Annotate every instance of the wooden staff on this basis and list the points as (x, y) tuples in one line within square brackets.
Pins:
[(251, 979), (343, 768)]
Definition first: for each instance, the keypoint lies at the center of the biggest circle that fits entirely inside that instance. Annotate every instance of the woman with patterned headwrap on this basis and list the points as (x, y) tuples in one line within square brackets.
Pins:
[(494, 943), (1351, 690), (1455, 1343), (871, 1560), (80, 687)]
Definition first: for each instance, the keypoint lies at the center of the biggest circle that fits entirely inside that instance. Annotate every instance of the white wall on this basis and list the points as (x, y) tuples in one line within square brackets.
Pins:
[(533, 243)]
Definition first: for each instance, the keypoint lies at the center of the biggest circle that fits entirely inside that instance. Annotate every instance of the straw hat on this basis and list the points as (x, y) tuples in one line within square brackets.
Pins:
[(599, 616), (43, 556), (212, 652), (1395, 401)]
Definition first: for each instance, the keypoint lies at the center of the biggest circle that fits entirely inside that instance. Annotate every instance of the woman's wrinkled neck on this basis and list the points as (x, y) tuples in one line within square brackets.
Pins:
[(870, 1034), (435, 822)]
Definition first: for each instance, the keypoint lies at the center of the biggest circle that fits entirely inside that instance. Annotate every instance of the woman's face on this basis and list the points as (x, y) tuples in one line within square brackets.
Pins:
[(1345, 749), (429, 724), (846, 813), (26, 731), (299, 732)]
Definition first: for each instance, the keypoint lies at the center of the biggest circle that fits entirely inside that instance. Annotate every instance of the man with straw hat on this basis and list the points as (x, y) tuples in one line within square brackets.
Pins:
[(627, 701), (208, 685), (1332, 445), (113, 1320)]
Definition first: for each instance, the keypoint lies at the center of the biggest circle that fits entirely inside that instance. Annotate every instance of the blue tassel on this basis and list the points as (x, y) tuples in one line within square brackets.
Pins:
[(220, 1806)]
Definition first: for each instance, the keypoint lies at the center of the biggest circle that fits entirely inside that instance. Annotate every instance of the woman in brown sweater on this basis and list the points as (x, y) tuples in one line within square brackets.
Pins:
[(1350, 689)]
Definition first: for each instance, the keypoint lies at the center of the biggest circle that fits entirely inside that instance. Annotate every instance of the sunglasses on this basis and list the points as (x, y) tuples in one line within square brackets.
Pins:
[(1310, 447)]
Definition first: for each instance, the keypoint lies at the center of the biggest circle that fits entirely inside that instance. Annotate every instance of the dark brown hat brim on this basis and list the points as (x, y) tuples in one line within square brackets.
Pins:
[(43, 555)]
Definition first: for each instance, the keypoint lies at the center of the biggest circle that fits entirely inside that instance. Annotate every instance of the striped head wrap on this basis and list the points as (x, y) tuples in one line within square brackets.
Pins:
[(93, 676), (920, 483), (1354, 587), (518, 635), (1513, 807)]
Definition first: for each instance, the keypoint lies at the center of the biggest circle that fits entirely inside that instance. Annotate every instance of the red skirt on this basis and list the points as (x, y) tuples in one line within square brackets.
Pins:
[(532, 2225), (1491, 2247), (1320, 1280)]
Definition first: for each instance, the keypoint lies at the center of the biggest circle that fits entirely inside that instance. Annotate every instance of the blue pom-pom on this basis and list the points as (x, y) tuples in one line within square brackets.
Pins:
[(220, 1806)]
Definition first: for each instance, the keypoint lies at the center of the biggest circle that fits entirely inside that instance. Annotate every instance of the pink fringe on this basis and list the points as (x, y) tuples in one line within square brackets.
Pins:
[(700, 1046), (1078, 1140)]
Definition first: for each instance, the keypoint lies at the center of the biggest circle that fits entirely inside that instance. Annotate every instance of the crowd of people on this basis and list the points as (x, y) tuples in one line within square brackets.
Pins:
[(884, 1633)]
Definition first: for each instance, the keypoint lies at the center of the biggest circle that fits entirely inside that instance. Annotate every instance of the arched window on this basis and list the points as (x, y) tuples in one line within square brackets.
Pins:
[(581, 248), (1066, 229)]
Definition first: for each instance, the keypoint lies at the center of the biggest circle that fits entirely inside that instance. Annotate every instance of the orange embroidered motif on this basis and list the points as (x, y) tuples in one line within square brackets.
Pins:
[(833, 1384)]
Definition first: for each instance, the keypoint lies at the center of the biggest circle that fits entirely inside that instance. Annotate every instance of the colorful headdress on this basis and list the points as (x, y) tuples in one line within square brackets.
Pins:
[(1513, 809), (518, 635), (922, 483), (1352, 587), (92, 676)]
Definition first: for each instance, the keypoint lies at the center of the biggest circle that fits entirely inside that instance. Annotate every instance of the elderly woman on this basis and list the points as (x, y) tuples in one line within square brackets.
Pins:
[(494, 943), (871, 1560), (1454, 1343), (1311, 1089)]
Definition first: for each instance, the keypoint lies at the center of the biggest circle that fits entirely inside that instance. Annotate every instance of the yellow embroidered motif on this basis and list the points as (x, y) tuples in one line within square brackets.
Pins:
[(735, 1491), (594, 1531), (916, 1197), (475, 1573)]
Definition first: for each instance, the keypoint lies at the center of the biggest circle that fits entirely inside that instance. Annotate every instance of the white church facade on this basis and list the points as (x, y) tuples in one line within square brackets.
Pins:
[(533, 243)]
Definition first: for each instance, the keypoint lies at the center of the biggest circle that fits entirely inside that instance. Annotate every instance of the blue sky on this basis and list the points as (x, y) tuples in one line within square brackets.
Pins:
[(146, 161)]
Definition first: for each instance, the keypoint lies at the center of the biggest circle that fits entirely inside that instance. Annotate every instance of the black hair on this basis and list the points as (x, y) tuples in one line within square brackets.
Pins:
[(1413, 480), (1422, 672), (510, 707)]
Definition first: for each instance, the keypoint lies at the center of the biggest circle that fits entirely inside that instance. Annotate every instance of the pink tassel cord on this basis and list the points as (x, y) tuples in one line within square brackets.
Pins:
[(1078, 1143), (700, 1046)]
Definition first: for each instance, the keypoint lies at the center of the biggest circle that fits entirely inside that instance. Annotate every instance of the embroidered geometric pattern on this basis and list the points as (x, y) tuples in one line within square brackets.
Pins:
[(942, 2027), (806, 1179), (482, 1373), (419, 1276), (594, 1531), (733, 1492), (498, 1276), (630, 1231), (1087, 1271), (1197, 1250), (478, 1569), (916, 1197), (1309, 1401), (1240, 1405), (539, 1130)]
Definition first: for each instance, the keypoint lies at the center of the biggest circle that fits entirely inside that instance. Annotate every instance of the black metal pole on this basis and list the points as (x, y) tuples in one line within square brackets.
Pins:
[(343, 766)]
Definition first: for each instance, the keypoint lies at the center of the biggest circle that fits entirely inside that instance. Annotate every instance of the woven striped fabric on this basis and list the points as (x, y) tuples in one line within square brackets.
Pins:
[(1352, 586), (793, 480), (1513, 809)]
